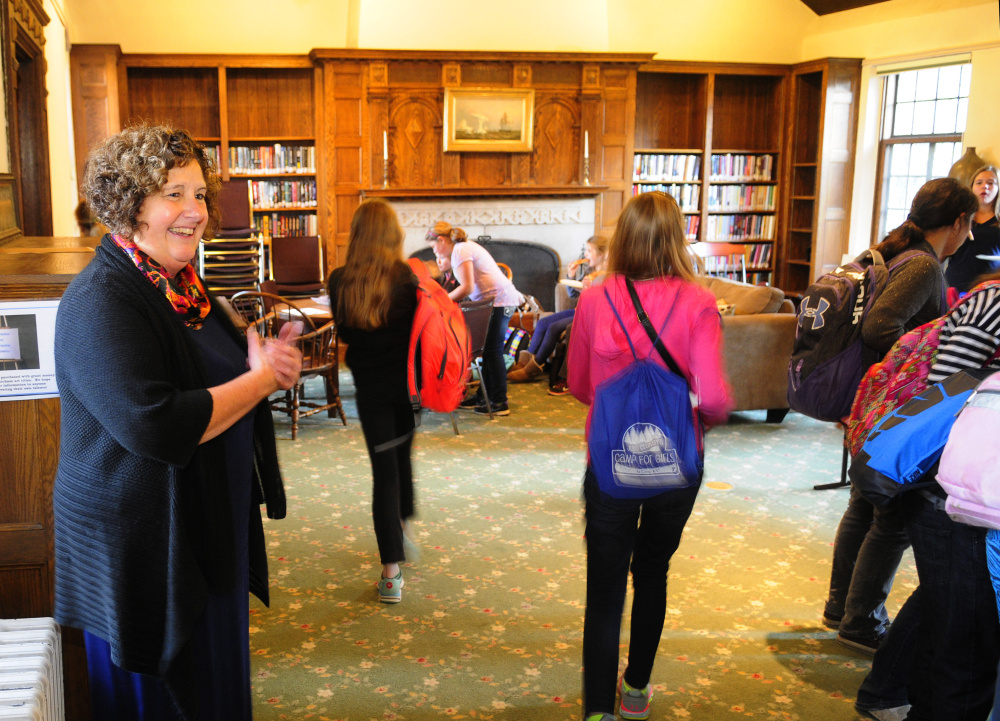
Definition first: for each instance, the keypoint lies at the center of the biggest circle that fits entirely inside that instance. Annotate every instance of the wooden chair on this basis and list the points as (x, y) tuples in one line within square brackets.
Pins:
[(296, 266), (722, 259), (268, 312), (505, 269), (477, 319), (236, 209)]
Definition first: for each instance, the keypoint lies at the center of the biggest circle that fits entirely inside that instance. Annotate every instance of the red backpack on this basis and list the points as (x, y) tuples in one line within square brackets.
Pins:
[(439, 336)]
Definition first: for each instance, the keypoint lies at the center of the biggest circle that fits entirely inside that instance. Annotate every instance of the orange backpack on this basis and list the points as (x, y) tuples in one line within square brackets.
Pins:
[(438, 361)]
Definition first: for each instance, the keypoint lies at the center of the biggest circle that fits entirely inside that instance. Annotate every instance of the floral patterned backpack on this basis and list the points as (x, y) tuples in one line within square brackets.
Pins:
[(900, 376)]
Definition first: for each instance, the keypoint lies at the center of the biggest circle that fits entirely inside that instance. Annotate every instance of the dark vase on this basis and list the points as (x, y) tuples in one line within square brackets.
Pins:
[(968, 164)]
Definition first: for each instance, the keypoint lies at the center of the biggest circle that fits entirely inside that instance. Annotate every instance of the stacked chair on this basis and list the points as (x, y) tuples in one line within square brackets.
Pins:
[(232, 261)]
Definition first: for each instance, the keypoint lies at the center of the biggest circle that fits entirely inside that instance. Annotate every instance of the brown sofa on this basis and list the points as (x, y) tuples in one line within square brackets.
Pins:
[(757, 342)]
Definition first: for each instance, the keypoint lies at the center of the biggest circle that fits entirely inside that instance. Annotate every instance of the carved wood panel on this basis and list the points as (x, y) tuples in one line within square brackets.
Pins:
[(557, 143), (485, 170), (415, 127), (94, 88)]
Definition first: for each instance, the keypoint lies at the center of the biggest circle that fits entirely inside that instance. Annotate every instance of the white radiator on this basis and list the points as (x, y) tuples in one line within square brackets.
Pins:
[(31, 686)]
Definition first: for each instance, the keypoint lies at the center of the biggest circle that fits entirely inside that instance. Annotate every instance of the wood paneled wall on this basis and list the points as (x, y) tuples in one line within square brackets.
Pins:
[(402, 94)]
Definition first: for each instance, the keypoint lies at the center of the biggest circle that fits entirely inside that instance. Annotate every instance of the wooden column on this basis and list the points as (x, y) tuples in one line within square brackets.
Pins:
[(93, 73)]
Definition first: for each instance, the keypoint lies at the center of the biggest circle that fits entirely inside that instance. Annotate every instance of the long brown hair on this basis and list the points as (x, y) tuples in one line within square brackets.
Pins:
[(649, 239), (938, 203), (376, 245)]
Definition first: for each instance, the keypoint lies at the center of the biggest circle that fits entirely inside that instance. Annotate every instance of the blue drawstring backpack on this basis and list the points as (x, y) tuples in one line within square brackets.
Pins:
[(645, 436), (904, 447)]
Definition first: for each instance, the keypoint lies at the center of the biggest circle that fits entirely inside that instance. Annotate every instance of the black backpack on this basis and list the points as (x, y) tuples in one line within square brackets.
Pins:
[(828, 361)]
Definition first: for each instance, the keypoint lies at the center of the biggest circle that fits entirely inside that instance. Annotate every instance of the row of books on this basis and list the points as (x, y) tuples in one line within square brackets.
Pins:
[(758, 255), (742, 197), (692, 222), (740, 227), (271, 159), (283, 193), (214, 151), (730, 166), (687, 196), (755, 256), (275, 225), (662, 166)]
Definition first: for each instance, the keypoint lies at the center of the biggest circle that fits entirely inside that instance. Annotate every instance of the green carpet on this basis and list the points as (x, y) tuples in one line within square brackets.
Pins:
[(490, 626)]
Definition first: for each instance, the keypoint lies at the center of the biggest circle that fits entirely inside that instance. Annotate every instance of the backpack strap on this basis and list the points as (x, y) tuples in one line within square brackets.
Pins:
[(622, 324), (650, 331)]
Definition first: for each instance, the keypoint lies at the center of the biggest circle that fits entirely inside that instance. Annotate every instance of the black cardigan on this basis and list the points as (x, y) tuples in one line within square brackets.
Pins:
[(142, 519)]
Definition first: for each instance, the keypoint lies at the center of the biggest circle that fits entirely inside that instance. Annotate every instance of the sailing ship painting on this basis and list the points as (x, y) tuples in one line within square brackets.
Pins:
[(488, 118)]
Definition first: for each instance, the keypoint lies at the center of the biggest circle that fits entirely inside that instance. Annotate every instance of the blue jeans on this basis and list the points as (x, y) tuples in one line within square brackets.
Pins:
[(494, 369), (645, 532), (546, 334), (866, 552), (955, 667)]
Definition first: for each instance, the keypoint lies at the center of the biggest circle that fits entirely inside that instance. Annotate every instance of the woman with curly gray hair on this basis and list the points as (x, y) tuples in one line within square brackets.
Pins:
[(167, 445)]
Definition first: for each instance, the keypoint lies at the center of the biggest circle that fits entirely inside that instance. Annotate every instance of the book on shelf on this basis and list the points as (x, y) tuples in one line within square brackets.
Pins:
[(692, 223), (275, 225), (741, 167), (271, 159), (269, 194), (687, 195), (742, 197), (734, 228), (214, 152), (660, 167)]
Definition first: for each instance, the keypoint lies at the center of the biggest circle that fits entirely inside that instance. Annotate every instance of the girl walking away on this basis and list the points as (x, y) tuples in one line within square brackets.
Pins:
[(549, 329), (373, 297), (649, 250)]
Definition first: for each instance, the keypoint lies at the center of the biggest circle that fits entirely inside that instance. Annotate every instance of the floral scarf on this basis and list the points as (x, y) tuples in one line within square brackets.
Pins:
[(186, 293)]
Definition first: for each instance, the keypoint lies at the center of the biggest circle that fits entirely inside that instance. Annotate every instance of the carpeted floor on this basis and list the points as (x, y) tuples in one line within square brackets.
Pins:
[(490, 625)]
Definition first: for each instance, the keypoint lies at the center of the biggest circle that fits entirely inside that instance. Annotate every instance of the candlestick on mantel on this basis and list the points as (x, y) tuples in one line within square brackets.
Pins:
[(385, 159)]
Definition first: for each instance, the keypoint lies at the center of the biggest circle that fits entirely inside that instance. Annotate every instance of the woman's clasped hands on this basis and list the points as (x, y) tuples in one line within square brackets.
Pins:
[(280, 356)]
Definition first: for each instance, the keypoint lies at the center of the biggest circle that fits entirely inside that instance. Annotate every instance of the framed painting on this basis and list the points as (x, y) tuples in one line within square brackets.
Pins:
[(488, 120)]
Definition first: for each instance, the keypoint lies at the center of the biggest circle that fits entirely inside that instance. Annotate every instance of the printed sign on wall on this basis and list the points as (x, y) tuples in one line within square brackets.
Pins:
[(27, 339)]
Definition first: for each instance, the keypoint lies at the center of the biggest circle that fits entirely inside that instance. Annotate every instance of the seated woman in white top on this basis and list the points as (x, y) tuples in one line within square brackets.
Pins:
[(480, 278)]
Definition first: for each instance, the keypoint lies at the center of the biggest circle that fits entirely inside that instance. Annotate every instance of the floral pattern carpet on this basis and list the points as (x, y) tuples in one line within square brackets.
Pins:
[(491, 621)]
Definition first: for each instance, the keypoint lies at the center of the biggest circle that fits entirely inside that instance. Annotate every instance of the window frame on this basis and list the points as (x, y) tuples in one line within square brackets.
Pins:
[(887, 115)]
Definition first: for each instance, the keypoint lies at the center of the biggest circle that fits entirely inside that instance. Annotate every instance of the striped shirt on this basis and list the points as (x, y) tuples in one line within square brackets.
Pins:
[(970, 337)]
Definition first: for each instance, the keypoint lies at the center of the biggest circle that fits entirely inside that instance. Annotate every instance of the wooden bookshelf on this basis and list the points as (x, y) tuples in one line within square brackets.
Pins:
[(728, 118), (822, 117), (258, 119), (798, 122)]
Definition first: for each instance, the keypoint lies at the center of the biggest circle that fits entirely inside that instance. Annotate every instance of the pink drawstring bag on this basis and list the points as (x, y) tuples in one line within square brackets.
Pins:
[(970, 464)]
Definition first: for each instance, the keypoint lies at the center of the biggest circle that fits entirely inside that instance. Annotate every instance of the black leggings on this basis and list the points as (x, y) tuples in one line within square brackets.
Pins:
[(388, 428)]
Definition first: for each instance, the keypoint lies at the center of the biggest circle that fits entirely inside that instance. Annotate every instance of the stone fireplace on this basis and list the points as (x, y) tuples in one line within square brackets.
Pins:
[(561, 223)]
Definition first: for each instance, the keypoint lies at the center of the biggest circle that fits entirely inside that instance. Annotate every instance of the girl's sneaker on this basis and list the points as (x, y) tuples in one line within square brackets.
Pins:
[(634, 702), (559, 388), (390, 590)]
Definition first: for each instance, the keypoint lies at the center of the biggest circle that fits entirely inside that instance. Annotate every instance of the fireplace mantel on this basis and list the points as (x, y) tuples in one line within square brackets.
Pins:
[(496, 191)]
